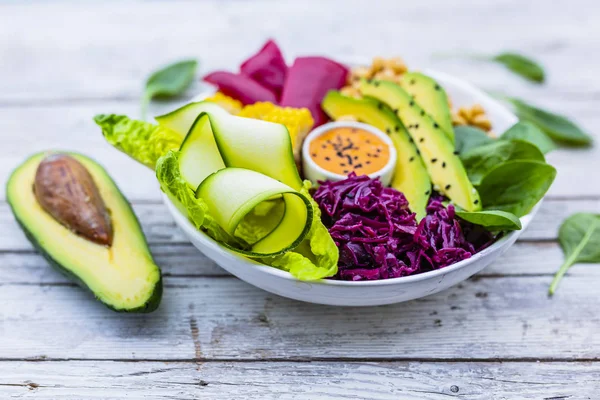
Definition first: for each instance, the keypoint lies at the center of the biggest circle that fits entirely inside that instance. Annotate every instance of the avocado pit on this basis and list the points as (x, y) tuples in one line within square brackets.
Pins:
[(65, 189)]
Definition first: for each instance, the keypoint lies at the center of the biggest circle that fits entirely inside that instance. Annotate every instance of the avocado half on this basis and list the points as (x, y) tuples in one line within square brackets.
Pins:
[(123, 276)]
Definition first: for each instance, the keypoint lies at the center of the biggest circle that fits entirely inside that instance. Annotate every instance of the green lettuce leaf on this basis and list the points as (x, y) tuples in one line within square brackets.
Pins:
[(142, 141), (173, 184), (317, 256)]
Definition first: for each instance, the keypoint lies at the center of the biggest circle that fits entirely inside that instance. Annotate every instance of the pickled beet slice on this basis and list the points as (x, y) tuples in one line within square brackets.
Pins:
[(267, 67), (307, 82), (240, 87)]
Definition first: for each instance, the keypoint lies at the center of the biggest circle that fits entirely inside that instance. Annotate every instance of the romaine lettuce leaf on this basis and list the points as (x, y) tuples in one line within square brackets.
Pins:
[(173, 184), (143, 141)]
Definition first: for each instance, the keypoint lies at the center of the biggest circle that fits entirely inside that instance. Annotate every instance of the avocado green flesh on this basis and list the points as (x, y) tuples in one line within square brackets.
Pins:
[(124, 276), (431, 97), (410, 175), (445, 168)]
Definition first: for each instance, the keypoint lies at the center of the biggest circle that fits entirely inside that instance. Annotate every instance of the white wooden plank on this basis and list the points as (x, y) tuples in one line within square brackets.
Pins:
[(160, 228), (223, 318), (523, 259), (284, 380)]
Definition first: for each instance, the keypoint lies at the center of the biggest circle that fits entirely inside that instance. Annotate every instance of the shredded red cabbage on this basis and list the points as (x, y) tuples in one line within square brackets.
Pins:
[(378, 236)]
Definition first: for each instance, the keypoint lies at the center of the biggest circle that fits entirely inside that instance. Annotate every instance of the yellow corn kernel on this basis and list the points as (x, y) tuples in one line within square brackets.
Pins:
[(230, 104), (257, 110)]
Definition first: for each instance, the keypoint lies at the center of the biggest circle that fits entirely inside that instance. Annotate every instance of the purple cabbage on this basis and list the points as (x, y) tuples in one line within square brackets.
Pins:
[(378, 236)]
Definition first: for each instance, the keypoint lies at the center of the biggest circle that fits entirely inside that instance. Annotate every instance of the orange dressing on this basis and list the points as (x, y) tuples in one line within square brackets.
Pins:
[(343, 150)]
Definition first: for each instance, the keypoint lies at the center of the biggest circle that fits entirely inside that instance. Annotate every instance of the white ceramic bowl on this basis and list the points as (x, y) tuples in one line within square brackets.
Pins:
[(314, 173), (368, 293)]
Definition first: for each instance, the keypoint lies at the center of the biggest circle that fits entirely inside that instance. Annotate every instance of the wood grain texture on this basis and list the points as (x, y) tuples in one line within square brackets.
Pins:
[(285, 380), (507, 318), (159, 227)]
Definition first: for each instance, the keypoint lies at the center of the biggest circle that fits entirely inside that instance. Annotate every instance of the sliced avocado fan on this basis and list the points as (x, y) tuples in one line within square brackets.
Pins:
[(445, 168)]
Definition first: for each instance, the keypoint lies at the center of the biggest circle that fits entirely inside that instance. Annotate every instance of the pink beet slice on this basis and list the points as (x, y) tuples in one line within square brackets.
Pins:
[(240, 87), (267, 67), (307, 82)]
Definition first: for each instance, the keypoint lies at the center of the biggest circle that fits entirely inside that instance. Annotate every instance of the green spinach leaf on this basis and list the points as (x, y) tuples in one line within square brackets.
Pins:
[(467, 138), (516, 186), (579, 237), (530, 133), (556, 126), (492, 220), (522, 66), (169, 81), (481, 160)]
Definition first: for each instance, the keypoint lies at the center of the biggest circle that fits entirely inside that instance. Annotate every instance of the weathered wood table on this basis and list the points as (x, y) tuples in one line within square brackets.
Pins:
[(495, 336)]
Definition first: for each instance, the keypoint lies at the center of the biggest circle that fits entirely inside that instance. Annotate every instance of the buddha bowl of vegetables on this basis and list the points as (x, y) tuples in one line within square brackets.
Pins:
[(231, 169)]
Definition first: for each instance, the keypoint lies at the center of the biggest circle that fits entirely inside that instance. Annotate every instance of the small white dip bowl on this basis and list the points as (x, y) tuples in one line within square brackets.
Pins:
[(314, 172)]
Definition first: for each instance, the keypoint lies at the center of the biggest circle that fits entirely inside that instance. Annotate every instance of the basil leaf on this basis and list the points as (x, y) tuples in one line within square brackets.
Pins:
[(522, 66), (169, 81), (516, 186), (481, 160), (467, 138), (556, 126), (579, 237), (530, 133), (492, 220)]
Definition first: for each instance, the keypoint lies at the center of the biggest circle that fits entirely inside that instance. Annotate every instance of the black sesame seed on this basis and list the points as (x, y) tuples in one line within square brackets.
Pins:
[(375, 155), (421, 140), (418, 152), (455, 152), (422, 113), (411, 159), (355, 157), (444, 164), (346, 171), (435, 125), (411, 139), (380, 106), (368, 162), (327, 159), (416, 126), (397, 129), (342, 165), (388, 130), (396, 110), (427, 193), (358, 166), (323, 146), (412, 103), (447, 187), (314, 154), (412, 81), (437, 87), (476, 201), (434, 160)]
